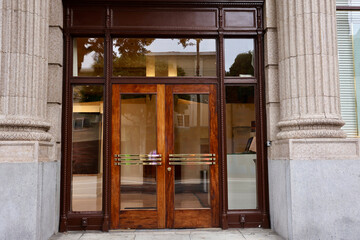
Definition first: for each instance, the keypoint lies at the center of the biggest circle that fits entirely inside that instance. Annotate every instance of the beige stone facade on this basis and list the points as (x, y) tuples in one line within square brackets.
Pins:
[(312, 165), (313, 168)]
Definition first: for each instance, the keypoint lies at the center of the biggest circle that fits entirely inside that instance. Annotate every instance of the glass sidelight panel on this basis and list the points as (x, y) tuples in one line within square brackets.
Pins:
[(239, 57), (241, 147), (191, 148), (138, 139), (87, 148), (153, 57), (88, 57)]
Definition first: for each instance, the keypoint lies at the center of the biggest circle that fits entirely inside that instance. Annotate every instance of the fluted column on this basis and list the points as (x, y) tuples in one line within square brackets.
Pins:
[(23, 70), (308, 72)]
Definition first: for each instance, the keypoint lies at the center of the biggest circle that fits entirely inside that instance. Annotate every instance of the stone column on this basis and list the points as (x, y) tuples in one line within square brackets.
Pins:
[(28, 172), (308, 72), (23, 70), (313, 169)]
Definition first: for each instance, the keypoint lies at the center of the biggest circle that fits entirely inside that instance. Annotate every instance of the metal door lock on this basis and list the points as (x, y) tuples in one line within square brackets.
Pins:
[(169, 169)]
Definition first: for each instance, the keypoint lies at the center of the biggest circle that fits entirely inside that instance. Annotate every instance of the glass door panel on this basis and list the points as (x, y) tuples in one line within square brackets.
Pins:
[(191, 157), (164, 170), (192, 163), (138, 157)]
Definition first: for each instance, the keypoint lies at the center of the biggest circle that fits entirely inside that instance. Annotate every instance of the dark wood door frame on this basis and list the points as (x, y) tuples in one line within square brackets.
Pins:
[(190, 218), (165, 214), (94, 18)]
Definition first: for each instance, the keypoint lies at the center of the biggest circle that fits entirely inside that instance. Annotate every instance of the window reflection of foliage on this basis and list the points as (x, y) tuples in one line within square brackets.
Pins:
[(88, 45), (180, 72), (88, 93), (130, 60), (242, 65)]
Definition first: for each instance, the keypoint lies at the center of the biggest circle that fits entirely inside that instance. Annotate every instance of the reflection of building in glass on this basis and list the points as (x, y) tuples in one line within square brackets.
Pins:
[(173, 64), (168, 64)]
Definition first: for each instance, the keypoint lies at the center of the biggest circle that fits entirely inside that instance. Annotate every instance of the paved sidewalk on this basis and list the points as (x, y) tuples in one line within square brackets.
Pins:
[(180, 234)]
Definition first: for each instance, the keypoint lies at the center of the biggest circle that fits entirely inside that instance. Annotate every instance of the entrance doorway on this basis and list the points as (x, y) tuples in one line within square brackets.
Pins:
[(164, 164)]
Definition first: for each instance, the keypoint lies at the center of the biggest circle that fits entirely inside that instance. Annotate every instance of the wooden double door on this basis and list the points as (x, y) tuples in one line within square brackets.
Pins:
[(164, 164)]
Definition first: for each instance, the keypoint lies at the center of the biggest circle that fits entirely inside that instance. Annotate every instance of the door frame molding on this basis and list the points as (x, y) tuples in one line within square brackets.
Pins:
[(171, 220), (224, 29), (159, 90)]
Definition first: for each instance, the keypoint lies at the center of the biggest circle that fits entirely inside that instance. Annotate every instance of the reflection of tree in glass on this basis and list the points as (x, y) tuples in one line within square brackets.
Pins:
[(242, 65), (130, 59), (88, 45), (88, 93), (180, 72)]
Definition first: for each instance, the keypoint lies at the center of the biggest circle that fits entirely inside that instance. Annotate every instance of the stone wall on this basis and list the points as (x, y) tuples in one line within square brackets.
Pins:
[(30, 117), (313, 169)]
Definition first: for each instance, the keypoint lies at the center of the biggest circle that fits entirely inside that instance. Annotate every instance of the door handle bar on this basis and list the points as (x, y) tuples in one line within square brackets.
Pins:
[(137, 159), (192, 159)]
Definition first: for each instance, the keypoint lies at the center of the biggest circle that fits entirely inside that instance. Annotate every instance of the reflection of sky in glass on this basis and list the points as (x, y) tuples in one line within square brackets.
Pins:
[(174, 45), (89, 60), (233, 47)]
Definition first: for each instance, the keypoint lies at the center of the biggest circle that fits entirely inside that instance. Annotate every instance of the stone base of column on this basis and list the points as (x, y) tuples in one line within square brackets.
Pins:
[(311, 128), (24, 129), (30, 177), (314, 188)]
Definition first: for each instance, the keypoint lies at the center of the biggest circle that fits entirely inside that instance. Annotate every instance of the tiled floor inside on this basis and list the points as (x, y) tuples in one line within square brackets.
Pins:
[(166, 234)]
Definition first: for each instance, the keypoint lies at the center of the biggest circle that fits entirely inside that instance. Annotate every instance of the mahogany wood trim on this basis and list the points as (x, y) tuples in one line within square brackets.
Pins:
[(161, 122), (107, 140), (167, 81), (66, 144), (193, 218), (137, 88), (169, 141), (214, 148), (115, 148), (263, 136), (87, 80), (222, 132), (170, 2), (191, 89), (347, 8), (138, 219)]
